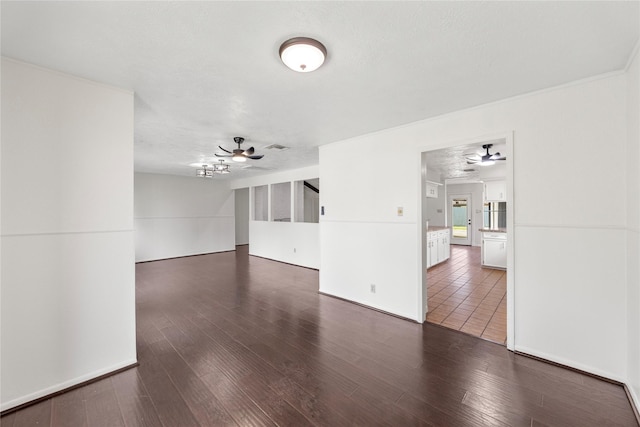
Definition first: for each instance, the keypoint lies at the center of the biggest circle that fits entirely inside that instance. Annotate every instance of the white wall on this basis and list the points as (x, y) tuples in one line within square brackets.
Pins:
[(242, 216), (633, 228), (68, 294), (292, 242), (436, 214), (588, 272), (477, 201), (179, 216)]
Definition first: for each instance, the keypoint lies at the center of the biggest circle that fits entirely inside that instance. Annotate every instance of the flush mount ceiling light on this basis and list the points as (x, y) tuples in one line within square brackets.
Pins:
[(204, 172), (303, 54)]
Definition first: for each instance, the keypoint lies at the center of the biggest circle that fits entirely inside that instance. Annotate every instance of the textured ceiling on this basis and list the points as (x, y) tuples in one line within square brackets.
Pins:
[(451, 164), (204, 72)]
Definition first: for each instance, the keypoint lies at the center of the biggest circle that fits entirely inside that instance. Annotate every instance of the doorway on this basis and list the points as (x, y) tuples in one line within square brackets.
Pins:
[(463, 282), (459, 211)]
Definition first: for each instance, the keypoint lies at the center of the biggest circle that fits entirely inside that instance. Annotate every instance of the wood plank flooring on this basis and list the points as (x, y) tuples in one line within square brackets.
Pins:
[(233, 340)]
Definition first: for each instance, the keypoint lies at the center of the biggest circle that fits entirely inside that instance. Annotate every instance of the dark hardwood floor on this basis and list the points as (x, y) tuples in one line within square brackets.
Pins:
[(229, 339)]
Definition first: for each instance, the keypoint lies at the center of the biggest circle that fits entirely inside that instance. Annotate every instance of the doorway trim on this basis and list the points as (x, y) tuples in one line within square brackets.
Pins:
[(421, 166)]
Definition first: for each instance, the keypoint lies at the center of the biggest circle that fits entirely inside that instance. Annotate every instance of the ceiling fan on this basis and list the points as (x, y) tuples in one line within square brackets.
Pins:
[(484, 159), (238, 154)]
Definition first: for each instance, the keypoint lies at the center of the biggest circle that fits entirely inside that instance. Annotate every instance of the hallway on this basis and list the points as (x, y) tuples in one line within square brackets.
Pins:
[(466, 297)]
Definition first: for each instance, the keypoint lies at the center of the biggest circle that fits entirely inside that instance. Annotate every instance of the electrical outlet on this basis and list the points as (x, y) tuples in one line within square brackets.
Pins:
[(373, 288), (400, 211)]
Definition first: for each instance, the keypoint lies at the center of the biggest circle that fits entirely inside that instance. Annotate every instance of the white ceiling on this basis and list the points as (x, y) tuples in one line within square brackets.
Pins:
[(204, 72)]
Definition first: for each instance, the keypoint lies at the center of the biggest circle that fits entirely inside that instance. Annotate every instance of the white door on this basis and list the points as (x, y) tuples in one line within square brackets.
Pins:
[(460, 219)]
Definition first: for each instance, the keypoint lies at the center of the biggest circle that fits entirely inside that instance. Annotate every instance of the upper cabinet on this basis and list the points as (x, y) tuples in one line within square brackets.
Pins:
[(495, 191), (432, 189)]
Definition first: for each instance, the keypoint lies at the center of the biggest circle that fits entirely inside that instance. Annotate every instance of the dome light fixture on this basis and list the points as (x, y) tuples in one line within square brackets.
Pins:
[(303, 54)]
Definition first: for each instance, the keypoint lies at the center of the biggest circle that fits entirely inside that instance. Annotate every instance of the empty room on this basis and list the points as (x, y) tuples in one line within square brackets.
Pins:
[(295, 213)]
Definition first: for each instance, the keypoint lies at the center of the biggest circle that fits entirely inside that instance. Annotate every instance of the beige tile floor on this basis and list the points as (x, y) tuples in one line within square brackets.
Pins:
[(464, 296)]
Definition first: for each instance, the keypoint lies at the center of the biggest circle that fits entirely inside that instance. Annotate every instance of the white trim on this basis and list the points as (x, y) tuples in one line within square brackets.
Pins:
[(61, 233), (349, 298), (578, 227), (635, 400), (64, 385), (367, 222), (184, 217), (569, 363)]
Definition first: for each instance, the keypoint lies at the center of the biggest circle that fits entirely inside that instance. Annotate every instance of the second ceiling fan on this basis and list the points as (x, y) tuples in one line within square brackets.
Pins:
[(238, 154), (484, 159)]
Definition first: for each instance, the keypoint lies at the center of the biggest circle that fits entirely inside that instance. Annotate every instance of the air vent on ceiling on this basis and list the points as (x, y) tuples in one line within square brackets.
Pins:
[(276, 147), (256, 168)]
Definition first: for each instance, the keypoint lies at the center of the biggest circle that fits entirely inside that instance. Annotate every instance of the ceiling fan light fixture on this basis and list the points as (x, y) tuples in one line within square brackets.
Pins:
[(238, 157), (204, 172), (221, 167), (487, 163), (303, 54)]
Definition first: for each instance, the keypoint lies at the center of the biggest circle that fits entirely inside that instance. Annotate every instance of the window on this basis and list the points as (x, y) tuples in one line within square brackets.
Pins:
[(260, 203), (307, 200), (281, 202), (495, 214)]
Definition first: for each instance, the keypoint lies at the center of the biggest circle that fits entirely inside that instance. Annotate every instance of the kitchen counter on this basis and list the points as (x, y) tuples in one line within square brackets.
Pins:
[(436, 228), (492, 230)]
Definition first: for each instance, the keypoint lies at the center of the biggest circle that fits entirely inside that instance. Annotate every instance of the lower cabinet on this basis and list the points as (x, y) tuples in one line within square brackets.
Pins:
[(494, 250), (438, 249)]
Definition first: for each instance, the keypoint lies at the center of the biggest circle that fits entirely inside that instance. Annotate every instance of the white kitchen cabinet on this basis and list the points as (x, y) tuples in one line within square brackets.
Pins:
[(438, 249), (432, 189), (495, 191), (446, 247), (494, 250)]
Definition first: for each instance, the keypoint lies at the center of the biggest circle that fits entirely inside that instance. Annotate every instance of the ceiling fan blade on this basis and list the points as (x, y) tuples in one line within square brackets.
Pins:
[(249, 151), (499, 158), (256, 157), (471, 162), (224, 149), (223, 155)]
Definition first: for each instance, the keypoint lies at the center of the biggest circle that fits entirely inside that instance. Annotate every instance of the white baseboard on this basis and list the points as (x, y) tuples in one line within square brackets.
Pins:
[(634, 400), (569, 363), (64, 385)]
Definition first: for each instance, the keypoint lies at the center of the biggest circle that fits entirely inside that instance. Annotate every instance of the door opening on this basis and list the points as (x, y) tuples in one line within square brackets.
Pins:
[(462, 206), (461, 219)]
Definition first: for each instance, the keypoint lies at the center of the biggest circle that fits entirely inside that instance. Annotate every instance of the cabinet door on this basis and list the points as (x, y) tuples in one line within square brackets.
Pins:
[(494, 253), (447, 245), (441, 251), (495, 191), (432, 190), (434, 250)]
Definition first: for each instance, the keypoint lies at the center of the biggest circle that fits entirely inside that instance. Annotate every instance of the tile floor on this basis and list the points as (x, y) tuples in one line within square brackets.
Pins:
[(464, 296)]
